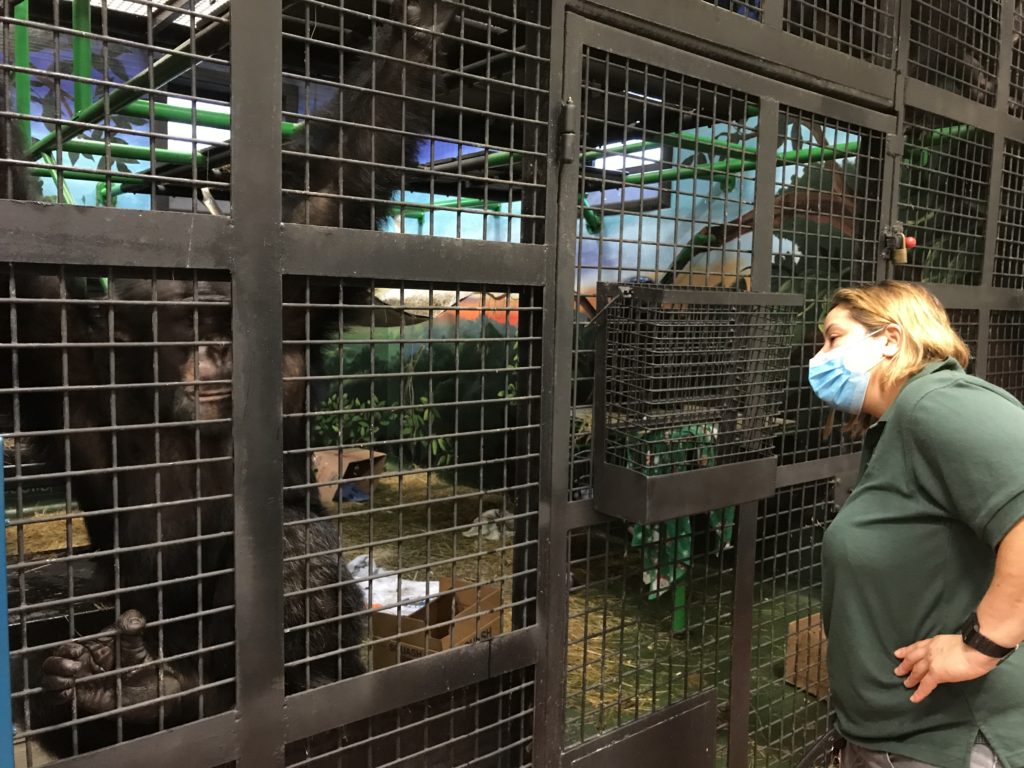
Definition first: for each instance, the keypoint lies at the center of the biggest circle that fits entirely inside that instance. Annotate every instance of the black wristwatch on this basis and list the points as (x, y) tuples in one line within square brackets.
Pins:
[(972, 637)]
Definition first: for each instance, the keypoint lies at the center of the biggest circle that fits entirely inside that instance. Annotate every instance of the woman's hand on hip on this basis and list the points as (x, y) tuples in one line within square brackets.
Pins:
[(940, 659)]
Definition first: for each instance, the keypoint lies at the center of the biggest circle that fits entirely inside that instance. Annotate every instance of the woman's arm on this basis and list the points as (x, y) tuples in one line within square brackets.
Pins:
[(944, 658)]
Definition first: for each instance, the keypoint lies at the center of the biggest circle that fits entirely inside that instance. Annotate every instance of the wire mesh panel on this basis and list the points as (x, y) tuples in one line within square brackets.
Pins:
[(750, 9), (414, 438), (966, 323), (944, 198), (827, 212), (954, 44), (1006, 351), (1017, 63), (860, 28), (667, 171), (486, 724), (420, 117), (1008, 271), (649, 620), (118, 478), (121, 102), (789, 681)]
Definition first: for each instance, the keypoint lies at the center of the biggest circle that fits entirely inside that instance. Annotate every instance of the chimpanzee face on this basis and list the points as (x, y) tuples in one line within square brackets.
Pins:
[(192, 363), (206, 375), (181, 341)]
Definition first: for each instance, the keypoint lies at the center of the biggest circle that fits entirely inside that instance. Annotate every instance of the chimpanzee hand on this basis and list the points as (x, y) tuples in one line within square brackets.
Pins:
[(940, 659), (86, 673)]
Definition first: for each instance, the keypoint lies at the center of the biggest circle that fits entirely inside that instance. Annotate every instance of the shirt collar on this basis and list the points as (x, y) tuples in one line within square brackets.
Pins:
[(949, 364)]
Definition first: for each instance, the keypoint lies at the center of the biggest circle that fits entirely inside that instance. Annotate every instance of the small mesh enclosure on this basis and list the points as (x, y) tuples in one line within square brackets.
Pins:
[(667, 177), (419, 117), (673, 361), (1006, 351), (827, 213), (118, 493), (692, 381), (943, 198), (789, 681), (649, 620), (121, 103), (1008, 270), (863, 29), (412, 442), (486, 724), (954, 44)]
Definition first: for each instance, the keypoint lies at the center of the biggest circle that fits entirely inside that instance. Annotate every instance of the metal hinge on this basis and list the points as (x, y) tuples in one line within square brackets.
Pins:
[(568, 140), (894, 145)]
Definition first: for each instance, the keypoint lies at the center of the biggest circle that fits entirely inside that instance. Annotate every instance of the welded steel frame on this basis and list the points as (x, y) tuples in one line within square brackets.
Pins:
[(687, 35), (258, 252), (708, 43)]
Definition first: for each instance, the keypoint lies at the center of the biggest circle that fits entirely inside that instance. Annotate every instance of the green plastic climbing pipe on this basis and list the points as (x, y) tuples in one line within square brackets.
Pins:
[(57, 181), (733, 165), (161, 72), (82, 175), (917, 153), (681, 139), (679, 608), (88, 147), (22, 80), (736, 165), (627, 149), (203, 117), (591, 218), (81, 52), (816, 154), (949, 132), (500, 158), (451, 202)]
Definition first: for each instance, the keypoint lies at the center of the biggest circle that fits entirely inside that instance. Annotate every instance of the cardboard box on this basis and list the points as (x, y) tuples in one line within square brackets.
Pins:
[(467, 615), (331, 465), (806, 651)]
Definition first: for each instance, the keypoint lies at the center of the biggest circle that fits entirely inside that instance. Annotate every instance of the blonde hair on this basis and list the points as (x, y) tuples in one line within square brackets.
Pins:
[(927, 335)]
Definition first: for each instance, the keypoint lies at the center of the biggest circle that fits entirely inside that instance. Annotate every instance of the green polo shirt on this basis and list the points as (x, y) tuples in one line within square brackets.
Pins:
[(910, 555)]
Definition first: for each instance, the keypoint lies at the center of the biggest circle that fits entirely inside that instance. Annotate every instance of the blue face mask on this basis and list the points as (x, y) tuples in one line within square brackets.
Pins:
[(840, 376)]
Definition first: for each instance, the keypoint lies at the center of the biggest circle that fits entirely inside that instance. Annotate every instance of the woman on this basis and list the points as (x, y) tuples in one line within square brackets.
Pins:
[(923, 599)]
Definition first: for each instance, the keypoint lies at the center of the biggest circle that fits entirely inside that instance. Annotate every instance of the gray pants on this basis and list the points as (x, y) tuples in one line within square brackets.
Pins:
[(853, 756)]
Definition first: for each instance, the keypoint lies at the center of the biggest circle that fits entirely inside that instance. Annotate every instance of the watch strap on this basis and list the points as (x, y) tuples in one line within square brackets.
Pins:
[(973, 638)]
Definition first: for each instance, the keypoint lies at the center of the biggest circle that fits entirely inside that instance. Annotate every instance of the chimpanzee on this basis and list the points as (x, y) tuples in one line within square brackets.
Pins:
[(159, 527), (135, 391), (343, 168), (954, 45), (364, 158), (855, 27)]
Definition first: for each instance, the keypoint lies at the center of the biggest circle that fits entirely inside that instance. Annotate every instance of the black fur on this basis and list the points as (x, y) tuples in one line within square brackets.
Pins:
[(364, 160), (142, 522)]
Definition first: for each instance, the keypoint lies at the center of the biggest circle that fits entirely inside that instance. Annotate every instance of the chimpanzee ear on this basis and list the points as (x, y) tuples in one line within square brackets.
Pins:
[(431, 15)]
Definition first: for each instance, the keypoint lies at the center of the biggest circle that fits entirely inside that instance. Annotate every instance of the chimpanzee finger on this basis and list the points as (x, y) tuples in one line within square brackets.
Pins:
[(130, 626), (70, 660)]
